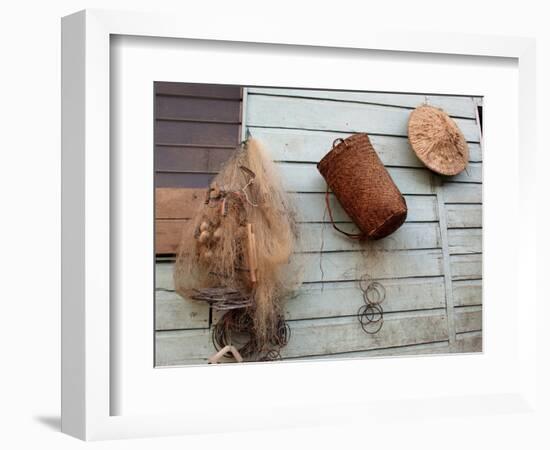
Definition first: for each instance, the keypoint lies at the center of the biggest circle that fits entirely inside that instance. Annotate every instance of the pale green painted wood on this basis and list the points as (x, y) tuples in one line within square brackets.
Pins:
[(472, 174), (311, 146), (469, 342), (315, 237), (311, 207), (468, 318), (467, 292), (464, 216), (466, 267), (431, 348), (344, 298), (172, 312), (460, 106), (306, 178), (465, 240), (314, 337), (462, 193), (346, 266), (318, 114)]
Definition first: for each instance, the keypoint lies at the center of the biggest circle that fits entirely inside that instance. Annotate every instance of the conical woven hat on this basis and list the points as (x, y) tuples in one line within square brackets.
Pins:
[(437, 140)]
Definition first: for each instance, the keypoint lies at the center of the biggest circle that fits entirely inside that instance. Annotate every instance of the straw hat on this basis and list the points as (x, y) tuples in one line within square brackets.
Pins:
[(437, 140)]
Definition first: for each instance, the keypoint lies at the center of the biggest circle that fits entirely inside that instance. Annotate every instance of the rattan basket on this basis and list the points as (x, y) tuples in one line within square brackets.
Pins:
[(364, 188), (437, 140)]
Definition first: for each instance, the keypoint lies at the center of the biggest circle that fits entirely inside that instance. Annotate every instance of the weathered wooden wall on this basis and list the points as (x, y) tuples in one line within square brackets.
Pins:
[(197, 127), (431, 267)]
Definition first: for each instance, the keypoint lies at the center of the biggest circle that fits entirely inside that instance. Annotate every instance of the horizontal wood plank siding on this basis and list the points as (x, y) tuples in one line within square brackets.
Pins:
[(317, 114), (189, 159), (197, 128), (306, 178), (455, 106), (177, 203), (209, 91), (312, 145), (315, 337), (467, 292), (198, 109), (196, 133), (173, 312), (175, 206)]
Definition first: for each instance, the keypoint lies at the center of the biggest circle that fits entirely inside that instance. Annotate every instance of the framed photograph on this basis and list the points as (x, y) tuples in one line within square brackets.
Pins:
[(311, 224)]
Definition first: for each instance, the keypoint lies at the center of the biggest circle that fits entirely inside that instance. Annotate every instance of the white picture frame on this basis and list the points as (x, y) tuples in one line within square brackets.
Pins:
[(88, 325)]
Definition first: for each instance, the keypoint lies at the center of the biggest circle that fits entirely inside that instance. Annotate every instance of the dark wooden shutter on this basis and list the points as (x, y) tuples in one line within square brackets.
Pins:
[(197, 127)]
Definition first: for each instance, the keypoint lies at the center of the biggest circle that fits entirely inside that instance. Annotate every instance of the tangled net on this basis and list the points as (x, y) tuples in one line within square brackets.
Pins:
[(237, 252)]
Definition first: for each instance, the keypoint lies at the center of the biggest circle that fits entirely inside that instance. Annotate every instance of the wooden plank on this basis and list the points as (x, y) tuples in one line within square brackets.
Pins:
[(183, 180), (181, 203), (198, 109), (314, 237), (466, 267), (345, 298), (298, 113), (196, 133), (469, 342), (324, 336), (460, 106), (468, 318), (168, 235), (198, 90), (322, 300), (347, 266), (183, 347), (191, 159), (431, 348), (462, 193), (310, 146), (177, 203), (471, 174), (446, 263), (468, 292), (315, 337), (465, 240), (311, 208), (464, 216), (306, 178), (174, 312)]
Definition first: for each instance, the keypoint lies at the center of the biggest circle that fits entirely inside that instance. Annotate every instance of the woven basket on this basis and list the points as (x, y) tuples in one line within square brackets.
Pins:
[(364, 188), (437, 140)]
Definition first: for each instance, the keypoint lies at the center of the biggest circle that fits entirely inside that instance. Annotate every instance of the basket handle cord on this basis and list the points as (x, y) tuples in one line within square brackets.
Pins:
[(350, 235)]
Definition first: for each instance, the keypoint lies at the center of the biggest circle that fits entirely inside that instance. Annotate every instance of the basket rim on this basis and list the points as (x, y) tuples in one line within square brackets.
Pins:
[(337, 149)]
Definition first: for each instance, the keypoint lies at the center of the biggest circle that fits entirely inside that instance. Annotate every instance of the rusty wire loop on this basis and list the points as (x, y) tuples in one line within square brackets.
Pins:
[(371, 313), (236, 327)]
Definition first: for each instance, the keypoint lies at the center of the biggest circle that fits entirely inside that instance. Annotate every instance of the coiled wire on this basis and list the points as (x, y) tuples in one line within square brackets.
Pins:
[(236, 328), (371, 313)]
